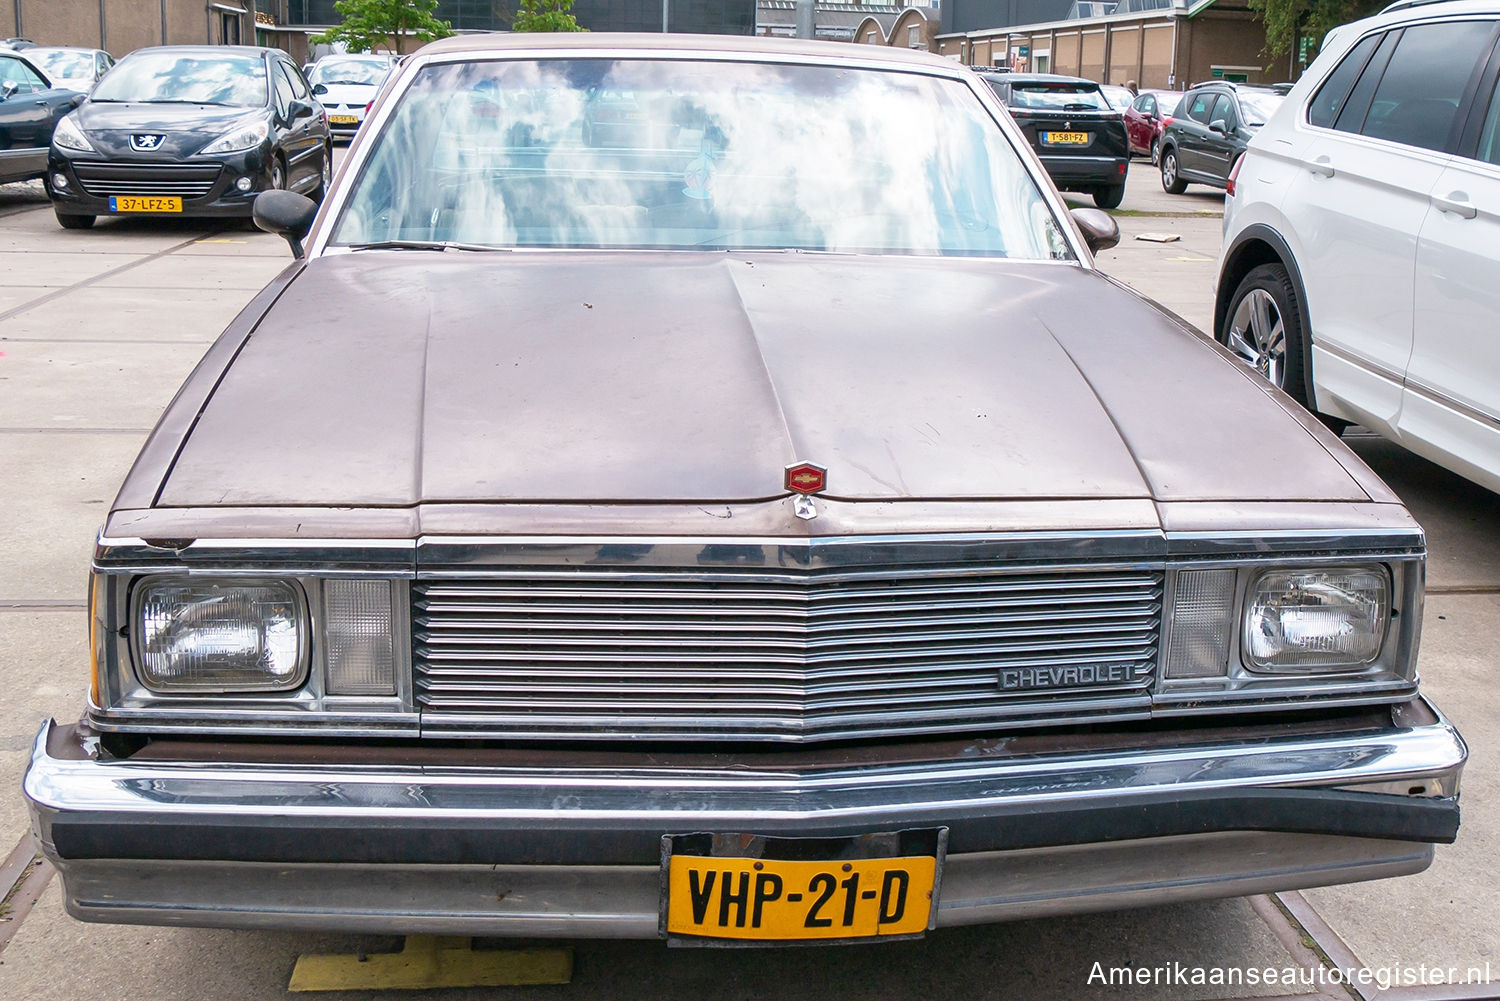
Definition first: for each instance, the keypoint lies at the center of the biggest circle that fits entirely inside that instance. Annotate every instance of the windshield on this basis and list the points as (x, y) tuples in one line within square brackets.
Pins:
[(333, 72), (1058, 97), (1119, 98), (688, 155), (161, 77), (1259, 106), (63, 65)]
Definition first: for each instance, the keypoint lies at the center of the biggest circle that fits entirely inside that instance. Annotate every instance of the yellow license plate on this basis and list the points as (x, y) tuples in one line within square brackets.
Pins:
[(132, 203), (1066, 138), (777, 901), (342, 120)]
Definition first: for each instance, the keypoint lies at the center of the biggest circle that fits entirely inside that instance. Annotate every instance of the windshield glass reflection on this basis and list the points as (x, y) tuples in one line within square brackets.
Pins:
[(689, 155), (171, 78)]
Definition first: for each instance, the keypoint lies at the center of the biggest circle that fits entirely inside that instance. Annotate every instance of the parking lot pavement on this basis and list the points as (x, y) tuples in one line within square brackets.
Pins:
[(98, 327)]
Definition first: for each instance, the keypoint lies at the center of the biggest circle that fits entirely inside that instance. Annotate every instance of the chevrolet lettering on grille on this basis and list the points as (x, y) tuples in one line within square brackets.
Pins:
[(1066, 676)]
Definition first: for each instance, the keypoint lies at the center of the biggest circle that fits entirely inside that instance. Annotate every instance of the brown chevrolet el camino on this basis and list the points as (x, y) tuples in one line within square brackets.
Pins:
[(703, 488)]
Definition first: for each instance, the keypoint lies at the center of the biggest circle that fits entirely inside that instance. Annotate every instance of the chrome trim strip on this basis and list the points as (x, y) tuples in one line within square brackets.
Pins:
[(1343, 354), (1443, 400)]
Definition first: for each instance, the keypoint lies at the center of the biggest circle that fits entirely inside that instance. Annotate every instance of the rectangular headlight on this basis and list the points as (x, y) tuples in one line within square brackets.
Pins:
[(1312, 620), (196, 634)]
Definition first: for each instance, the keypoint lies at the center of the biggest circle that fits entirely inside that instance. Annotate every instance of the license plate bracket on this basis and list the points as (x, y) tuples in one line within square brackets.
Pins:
[(145, 203), (1065, 138), (738, 890)]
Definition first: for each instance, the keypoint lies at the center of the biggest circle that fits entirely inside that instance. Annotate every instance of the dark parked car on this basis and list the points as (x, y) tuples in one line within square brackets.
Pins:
[(183, 130), (30, 108), (1209, 132), (663, 580), (1146, 118), (1079, 136)]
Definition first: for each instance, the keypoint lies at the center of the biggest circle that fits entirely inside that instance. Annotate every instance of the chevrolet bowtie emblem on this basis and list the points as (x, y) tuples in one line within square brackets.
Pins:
[(806, 478)]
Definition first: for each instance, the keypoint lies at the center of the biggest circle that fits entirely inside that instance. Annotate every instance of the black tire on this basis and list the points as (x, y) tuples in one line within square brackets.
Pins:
[(1110, 196), (278, 173), (1263, 328), (1171, 180), (74, 221)]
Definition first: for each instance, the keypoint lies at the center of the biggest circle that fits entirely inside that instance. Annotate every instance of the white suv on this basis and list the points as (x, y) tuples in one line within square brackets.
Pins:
[(1361, 261)]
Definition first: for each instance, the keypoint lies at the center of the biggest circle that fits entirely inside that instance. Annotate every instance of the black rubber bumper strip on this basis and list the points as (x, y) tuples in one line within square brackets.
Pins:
[(396, 840)]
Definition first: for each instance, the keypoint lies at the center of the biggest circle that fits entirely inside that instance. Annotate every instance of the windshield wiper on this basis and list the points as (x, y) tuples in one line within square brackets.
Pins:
[(422, 245)]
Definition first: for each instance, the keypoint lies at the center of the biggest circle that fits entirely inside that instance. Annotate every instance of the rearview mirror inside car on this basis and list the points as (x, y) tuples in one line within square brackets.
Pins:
[(287, 214)]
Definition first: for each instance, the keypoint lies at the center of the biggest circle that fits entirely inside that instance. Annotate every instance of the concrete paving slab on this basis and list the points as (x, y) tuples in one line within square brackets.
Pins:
[(1462, 519), (1037, 960), (55, 492), (12, 296), (46, 660), (249, 272), (51, 269), (251, 242), (1180, 275), (118, 314), (38, 230), (1445, 917), (63, 384)]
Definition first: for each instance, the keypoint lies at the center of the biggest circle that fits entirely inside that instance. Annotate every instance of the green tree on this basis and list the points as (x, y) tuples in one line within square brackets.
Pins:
[(545, 15), (1288, 20), (369, 24)]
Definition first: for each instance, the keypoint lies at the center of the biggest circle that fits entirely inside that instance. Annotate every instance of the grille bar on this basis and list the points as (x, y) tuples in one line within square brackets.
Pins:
[(186, 180), (794, 654)]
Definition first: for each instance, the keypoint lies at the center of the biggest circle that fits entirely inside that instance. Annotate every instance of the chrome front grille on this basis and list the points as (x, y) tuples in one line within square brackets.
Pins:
[(147, 180), (787, 654)]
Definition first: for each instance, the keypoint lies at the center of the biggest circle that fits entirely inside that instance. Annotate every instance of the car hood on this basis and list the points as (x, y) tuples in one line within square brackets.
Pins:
[(405, 377), (186, 128)]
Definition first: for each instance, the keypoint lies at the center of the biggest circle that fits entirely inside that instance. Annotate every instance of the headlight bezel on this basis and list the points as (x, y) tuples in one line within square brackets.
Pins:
[(119, 701), (1387, 677), (141, 587), (68, 123)]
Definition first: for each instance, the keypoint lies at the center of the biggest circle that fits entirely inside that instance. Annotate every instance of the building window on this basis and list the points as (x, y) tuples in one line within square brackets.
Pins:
[(229, 28), (914, 36)]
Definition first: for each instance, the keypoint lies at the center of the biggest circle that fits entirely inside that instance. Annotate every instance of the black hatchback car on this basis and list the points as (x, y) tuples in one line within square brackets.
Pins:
[(30, 108), (1212, 126), (1080, 138), (189, 130)]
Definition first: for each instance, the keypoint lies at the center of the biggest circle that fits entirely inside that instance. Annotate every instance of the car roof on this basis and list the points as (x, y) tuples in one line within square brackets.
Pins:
[(1048, 78), (709, 45), (211, 50)]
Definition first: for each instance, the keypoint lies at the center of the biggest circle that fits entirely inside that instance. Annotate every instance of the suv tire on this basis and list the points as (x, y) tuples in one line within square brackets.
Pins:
[(1109, 196), (1263, 328)]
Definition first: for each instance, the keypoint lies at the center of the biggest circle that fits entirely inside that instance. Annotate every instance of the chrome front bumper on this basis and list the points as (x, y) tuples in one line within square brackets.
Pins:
[(572, 851)]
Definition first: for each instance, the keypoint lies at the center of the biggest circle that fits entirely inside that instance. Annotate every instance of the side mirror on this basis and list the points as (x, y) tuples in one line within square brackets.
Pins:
[(301, 110), (1100, 231), (1219, 126), (319, 89), (287, 214), (8, 90)]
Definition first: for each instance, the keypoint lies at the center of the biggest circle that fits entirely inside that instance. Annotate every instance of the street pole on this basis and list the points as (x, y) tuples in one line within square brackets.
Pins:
[(664, 4)]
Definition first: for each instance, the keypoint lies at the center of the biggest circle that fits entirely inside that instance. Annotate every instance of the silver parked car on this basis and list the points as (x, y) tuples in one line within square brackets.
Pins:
[(773, 528), (72, 68)]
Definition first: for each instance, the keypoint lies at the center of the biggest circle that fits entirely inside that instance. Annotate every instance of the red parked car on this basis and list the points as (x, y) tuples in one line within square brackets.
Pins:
[(1145, 119)]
